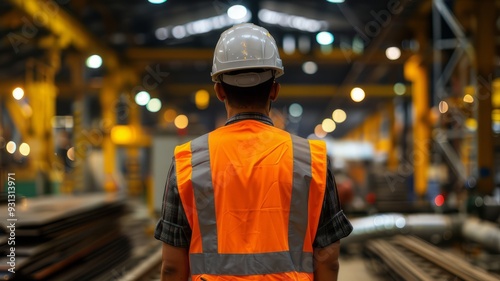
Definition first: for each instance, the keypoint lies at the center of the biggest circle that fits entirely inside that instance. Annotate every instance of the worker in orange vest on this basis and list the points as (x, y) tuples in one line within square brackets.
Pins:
[(248, 201)]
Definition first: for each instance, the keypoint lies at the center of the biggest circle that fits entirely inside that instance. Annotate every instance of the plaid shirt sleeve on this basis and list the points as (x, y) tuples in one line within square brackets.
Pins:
[(333, 224), (173, 227)]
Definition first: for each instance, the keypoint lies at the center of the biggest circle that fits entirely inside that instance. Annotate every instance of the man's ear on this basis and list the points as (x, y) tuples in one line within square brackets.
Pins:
[(219, 92), (275, 89)]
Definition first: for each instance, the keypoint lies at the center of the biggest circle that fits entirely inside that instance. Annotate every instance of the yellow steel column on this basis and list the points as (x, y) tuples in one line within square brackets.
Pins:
[(415, 72), (108, 98), (41, 91), (133, 166), (485, 53)]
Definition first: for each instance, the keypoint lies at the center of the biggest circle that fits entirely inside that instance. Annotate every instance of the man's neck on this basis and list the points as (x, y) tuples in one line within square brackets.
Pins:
[(233, 111)]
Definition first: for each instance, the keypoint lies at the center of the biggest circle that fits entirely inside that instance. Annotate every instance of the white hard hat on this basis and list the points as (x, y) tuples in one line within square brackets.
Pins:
[(246, 46)]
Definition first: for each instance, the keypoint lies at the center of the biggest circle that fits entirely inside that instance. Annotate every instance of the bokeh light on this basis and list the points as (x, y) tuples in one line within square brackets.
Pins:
[(202, 99), (181, 121), (357, 94), (309, 67), (71, 153), (142, 98), (339, 116), (443, 106), (154, 105), (319, 132), (237, 12), (11, 147), (393, 53), (94, 61), (328, 125), (324, 38), (295, 110), (18, 93), (468, 98), (399, 89), (24, 149)]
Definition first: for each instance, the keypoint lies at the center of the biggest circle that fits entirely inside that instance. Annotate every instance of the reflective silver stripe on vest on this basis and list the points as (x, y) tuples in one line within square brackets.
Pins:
[(297, 224), (210, 261), (246, 264), (201, 179)]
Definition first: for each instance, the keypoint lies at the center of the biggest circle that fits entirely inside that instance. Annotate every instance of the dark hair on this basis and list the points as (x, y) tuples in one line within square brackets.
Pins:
[(243, 97)]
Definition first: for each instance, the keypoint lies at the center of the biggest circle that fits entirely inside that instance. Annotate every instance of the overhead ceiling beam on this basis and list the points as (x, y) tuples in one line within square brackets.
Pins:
[(287, 90), (50, 15), (336, 56)]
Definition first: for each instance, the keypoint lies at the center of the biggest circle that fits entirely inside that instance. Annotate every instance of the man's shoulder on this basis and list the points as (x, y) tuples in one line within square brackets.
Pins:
[(313, 141), (188, 144)]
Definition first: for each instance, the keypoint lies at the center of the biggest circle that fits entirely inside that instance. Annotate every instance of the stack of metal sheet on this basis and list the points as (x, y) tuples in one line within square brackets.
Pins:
[(64, 237)]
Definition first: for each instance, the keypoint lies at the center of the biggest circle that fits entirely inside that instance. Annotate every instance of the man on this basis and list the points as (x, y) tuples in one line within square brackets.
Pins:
[(248, 201)]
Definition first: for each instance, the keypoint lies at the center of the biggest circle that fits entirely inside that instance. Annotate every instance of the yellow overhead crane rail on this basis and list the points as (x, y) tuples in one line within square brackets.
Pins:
[(67, 29)]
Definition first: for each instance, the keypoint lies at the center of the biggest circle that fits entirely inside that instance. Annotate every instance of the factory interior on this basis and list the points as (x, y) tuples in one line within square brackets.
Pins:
[(95, 95)]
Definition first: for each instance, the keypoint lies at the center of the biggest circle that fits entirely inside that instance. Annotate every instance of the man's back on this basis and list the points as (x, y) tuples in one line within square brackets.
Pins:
[(253, 213)]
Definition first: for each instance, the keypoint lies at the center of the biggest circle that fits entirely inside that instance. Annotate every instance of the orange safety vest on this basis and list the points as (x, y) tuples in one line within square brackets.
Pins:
[(253, 196)]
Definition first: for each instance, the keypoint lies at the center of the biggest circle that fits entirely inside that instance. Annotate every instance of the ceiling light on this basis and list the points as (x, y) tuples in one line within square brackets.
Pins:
[(18, 93), (291, 21), (335, 1), (179, 31), (202, 99), (328, 125), (154, 105), (295, 110), (161, 33), (357, 94), (11, 147), (24, 149), (443, 106), (393, 53), (309, 67), (142, 98), (94, 61), (237, 12), (324, 38), (157, 1), (468, 98), (399, 89), (181, 121), (319, 132), (199, 26), (339, 115)]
